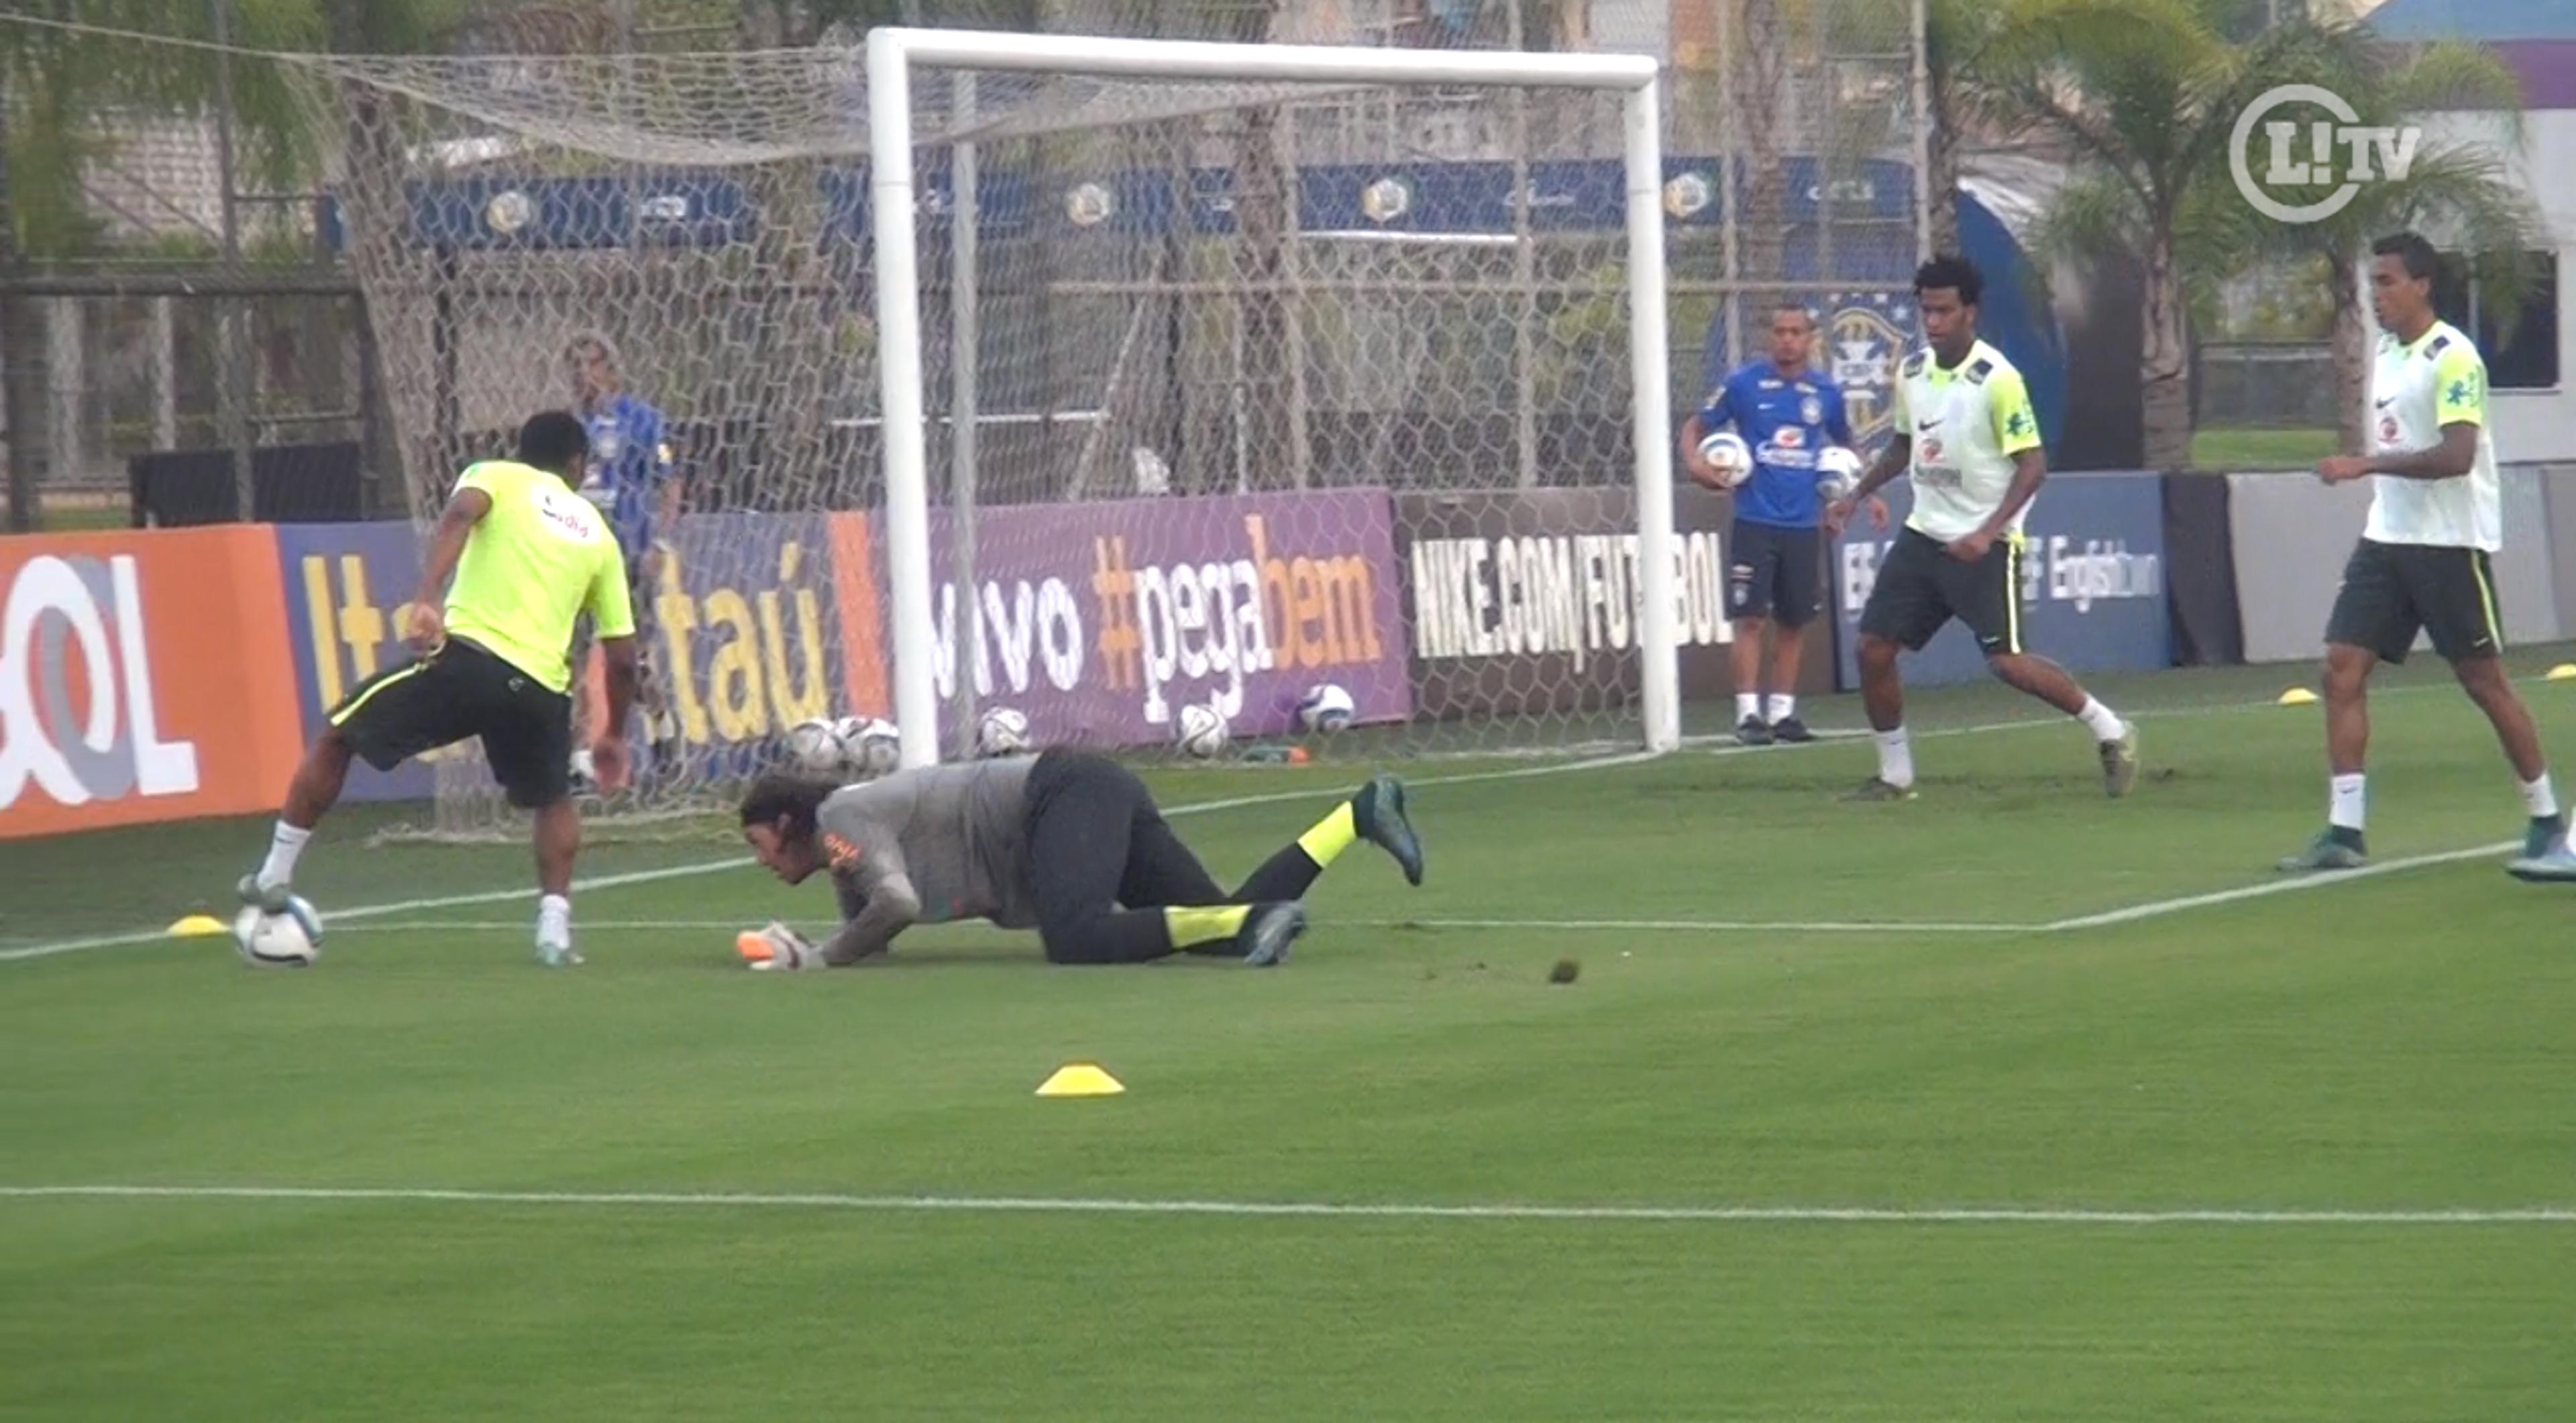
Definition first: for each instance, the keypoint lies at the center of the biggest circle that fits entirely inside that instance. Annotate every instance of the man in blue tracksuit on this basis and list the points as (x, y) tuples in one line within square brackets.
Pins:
[(631, 479), (1787, 415)]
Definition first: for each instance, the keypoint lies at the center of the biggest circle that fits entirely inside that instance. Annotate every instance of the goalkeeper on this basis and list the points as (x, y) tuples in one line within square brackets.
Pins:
[(1068, 843)]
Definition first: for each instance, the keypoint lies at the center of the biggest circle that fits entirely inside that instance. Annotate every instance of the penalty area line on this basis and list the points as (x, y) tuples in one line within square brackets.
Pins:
[(1362, 1210)]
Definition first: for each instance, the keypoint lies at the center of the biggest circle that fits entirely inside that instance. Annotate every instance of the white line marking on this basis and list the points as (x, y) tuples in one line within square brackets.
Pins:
[(1643, 926), (1055, 1205), (500, 896), (1704, 926), (369, 911), (2287, 884)]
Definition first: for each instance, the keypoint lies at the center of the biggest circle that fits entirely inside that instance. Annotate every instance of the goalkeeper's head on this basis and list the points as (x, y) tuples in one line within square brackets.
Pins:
[(779, 822)]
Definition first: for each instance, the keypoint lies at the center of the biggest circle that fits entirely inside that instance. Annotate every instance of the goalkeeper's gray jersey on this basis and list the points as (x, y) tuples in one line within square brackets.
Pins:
[(957, 834)]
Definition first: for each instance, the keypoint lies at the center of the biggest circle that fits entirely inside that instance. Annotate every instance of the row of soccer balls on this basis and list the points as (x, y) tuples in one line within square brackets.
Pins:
[(1837, 469), (870, 746)]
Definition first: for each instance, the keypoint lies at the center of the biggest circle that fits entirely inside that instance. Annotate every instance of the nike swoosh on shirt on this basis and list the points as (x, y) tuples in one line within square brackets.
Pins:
[(2385, 402)]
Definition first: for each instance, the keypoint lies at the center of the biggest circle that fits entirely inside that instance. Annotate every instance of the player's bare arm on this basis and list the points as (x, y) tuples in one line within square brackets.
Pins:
[(2030, 471), (1695, 465), (2453, 458), (609, 761), (427, 626)]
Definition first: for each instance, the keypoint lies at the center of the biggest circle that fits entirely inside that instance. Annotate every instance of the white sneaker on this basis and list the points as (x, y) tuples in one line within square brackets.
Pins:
[(557, 953)]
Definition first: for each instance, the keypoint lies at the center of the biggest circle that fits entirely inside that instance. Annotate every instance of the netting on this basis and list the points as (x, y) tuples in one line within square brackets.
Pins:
[(1233, 391)]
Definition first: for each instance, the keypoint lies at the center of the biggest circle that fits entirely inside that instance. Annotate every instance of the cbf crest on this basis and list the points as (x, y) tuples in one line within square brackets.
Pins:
[(1865, 335)]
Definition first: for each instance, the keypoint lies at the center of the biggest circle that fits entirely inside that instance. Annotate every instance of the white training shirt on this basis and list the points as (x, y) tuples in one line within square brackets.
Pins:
[(1967, 422), (2415, 389)]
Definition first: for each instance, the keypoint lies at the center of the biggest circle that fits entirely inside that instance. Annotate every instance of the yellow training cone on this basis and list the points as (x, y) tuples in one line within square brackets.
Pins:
[(197, 926), (2297, 697), (2563, 672), (1080, 1079)]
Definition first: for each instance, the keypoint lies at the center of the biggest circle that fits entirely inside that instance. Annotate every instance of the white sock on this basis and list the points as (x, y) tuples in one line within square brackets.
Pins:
[(1895, 758), (2344, 801), (554, 920), (2539, 798), (285, 845), (1783, 707), (2104, 723), (1748, 706)]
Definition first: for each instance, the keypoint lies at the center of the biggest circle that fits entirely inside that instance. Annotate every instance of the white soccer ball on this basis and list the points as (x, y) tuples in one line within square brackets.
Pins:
[(815, 747), (1727, 453), (1837, 471), (1327, 707), (870, 746), (1002, 731), (292, 939), (1202, 731)]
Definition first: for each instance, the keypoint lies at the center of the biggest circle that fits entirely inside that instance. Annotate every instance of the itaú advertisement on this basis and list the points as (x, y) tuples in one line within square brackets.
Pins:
[(143, 676), (1101, 621)]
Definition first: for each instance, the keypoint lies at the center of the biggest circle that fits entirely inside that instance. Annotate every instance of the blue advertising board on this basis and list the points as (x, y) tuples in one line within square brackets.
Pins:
[(2093, 582), (346, 587)]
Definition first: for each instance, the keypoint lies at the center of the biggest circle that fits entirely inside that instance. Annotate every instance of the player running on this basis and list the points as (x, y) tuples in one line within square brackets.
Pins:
[(528, 556), (1788, 415), (1964, 429), (2436, 517), (629, 477), (1066, 842)]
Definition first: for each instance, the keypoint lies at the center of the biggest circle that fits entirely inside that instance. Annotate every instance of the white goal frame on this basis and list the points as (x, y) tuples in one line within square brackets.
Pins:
[(891, 55)]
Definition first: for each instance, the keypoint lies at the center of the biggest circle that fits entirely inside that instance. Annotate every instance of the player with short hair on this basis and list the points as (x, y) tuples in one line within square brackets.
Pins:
[(1066, 842), (1788, 415), (630, 476), (2423, 562), (528, 556), (1965, 431)]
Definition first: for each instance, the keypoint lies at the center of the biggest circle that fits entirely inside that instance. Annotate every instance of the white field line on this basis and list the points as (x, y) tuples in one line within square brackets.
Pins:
[(633, 877), (1593, 763), (1055, 1205), (2151, 909)]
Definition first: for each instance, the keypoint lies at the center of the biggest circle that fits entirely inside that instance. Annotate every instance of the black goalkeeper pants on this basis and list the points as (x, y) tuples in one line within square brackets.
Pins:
[(1106, 864)]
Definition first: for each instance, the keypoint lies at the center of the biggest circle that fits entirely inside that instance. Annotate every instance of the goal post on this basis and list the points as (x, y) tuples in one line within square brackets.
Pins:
[(893, 57)]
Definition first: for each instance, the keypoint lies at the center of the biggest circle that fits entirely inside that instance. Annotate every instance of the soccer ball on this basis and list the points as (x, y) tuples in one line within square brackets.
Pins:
[(1002, 731), (870, 746), (815, 747), (1727, 453), (292, 939), (1326, 707), (1837, 472), (1202, 732)]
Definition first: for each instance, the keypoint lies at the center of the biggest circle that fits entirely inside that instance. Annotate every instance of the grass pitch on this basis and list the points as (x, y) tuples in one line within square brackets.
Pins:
[(2396, 1046)]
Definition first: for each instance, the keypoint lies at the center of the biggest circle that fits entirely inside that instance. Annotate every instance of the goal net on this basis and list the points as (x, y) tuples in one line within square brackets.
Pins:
[(1184, 381)]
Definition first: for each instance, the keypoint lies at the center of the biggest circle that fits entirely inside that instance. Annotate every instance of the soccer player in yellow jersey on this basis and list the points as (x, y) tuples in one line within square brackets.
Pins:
[(2436, 518), (528, 556), (1965, 431)]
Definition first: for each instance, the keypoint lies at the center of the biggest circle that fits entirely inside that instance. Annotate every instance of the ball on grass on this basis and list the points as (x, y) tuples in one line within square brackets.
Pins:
[(1565, 971)]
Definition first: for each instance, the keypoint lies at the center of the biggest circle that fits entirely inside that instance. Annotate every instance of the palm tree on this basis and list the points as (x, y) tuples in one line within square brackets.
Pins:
[(2142, 94), (2462, 190)]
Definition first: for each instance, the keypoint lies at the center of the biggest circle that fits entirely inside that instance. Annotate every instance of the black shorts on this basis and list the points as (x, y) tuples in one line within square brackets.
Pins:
[(1096, 839), (459, 691), (2392, 591), (1774, 573), (1921, 587)]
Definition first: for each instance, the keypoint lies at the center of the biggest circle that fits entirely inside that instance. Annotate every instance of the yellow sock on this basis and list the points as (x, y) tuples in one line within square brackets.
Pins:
[(1210, 925), (1331, 835)]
